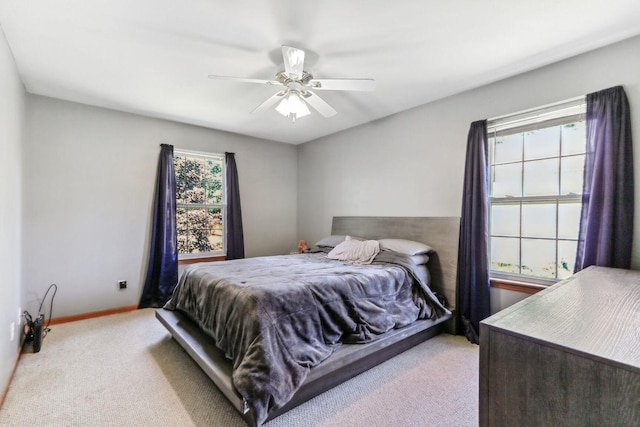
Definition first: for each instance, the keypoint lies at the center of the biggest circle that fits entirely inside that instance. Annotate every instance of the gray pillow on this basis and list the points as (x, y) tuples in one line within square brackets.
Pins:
[(407, 247), (334, 240)]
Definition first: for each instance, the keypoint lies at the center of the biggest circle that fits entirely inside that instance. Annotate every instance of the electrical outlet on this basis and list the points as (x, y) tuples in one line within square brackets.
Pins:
[(122, 284)]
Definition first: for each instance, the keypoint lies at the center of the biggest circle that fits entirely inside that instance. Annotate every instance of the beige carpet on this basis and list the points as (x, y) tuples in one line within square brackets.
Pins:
[(125, 370)]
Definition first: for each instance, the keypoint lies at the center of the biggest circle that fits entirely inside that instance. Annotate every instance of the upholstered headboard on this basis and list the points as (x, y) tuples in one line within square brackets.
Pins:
[(441, 233)]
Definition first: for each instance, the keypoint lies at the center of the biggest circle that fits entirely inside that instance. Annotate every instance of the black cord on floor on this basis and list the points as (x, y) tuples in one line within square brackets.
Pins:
[(55, 289)]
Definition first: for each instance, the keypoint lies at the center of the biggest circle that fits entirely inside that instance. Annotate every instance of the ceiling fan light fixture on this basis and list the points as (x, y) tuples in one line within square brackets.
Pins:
[(293, 106)]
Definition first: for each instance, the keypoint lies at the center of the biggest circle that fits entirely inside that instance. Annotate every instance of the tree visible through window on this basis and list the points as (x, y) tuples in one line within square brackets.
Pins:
[(199, 202), (535, 197)]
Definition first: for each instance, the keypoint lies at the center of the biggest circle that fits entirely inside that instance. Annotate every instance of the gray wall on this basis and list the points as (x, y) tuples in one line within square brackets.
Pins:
[(89, 178), (412, 163), (12, 101)]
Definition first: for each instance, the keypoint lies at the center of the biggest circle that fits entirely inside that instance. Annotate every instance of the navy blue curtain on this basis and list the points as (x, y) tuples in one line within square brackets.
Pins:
[(606, 224), (473, 257), (162, 271), (233, 222)]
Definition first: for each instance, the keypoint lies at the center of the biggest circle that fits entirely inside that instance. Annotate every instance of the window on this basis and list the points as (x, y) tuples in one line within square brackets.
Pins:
[(535, 192), (200, 203)]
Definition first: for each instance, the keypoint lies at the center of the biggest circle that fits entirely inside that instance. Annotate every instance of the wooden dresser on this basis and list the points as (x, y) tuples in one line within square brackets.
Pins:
[(566, 356)]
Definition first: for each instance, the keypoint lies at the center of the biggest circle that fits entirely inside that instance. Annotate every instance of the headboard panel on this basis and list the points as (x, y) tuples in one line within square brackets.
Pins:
[(441, 233)]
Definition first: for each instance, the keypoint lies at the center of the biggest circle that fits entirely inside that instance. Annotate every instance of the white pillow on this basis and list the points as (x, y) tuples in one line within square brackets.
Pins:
[(407, 247), (356, 251), (420, 259)]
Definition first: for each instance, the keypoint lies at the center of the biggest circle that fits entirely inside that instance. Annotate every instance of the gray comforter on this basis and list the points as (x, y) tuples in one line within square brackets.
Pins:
[(276, 317)]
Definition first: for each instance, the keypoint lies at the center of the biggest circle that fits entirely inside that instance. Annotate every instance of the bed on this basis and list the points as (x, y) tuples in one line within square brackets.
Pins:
[(302, 371)]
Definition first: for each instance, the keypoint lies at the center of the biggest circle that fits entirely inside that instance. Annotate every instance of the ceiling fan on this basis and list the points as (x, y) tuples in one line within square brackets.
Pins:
[(292, 100)]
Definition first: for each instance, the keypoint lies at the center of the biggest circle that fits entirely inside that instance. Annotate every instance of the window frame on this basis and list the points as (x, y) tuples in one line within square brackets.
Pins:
[(558, 114), (187, 258)]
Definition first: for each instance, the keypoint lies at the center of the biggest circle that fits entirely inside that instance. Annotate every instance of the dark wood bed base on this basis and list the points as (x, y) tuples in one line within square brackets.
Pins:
[(441, 233)]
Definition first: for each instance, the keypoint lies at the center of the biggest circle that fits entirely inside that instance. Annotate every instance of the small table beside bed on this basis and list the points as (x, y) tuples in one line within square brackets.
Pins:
[(274, 332)]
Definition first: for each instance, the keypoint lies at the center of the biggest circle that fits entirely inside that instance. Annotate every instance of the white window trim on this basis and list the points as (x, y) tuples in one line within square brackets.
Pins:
[(223, 206), (541, 114), (534, 117)]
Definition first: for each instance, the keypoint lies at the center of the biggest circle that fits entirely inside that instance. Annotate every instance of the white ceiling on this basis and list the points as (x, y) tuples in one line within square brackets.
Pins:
[(152, 57)]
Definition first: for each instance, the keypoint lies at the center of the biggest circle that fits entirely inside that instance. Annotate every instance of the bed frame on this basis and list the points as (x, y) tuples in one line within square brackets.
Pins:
[(441, 233)]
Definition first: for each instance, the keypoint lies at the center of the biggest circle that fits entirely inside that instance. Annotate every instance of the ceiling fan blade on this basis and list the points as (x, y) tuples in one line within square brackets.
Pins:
[(243, 80), (269, 102), (293, 61), (319, 104), (343, 84)]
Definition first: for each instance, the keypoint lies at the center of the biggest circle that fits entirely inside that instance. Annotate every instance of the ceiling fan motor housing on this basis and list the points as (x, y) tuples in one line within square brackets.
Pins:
[(285, 79)]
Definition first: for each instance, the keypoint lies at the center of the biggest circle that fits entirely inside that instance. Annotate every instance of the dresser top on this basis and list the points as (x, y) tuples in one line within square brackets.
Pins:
[(596, 312)]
